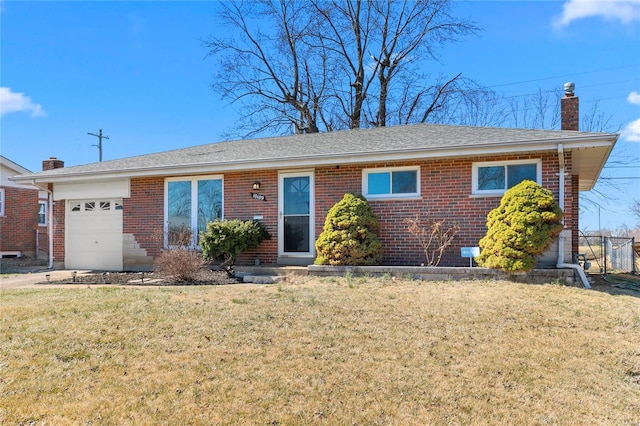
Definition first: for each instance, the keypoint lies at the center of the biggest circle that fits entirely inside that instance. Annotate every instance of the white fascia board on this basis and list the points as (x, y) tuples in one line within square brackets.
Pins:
[(4, 161), (92, 190), (611, 143)]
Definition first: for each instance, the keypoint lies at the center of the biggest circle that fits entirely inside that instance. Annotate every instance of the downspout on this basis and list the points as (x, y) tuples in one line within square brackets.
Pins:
[(561, 264), (50, 229)]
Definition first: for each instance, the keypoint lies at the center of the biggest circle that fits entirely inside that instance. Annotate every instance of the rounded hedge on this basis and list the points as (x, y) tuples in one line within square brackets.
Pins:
[(521, 228), (350, 234)]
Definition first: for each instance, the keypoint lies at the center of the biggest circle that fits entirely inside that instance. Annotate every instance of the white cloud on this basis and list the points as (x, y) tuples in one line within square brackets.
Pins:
[(18, 102), (631, 132), (624, 10), (634, 98)]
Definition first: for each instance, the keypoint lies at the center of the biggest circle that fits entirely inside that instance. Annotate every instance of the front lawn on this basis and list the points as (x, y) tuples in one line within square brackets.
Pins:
[(320, 351)]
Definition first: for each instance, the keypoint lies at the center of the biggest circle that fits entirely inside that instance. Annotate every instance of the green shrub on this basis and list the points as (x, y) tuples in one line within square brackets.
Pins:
[(521, 228), (350, 234), (224, 240)]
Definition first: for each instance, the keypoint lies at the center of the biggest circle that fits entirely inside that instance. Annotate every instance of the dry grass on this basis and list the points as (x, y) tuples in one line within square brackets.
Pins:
[(333, 351)]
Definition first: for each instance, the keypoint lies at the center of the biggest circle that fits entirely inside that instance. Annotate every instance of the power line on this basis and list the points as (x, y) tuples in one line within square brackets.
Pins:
[(622, 177), (564, 75)]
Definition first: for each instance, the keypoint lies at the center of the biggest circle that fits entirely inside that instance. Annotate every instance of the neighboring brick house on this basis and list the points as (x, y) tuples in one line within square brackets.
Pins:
[(112, 215), (23, 215)]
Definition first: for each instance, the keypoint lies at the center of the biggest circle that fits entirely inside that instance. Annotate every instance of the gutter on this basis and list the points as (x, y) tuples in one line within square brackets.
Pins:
[(561, 264), (325, 159)]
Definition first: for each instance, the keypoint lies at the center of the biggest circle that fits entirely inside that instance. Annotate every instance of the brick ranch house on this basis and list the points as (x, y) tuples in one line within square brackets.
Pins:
[(23, 215), (109, 215)]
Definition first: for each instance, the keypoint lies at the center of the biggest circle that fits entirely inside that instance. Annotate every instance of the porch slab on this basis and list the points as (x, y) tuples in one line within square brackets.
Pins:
[(262, 279), (272, 270)]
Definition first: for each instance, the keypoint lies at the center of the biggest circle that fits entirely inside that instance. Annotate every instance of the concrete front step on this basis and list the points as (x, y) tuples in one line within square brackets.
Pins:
[(262, 279), (268, 274), (272, 270)]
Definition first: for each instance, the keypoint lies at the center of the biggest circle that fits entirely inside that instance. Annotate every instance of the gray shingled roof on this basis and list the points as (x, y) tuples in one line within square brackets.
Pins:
[(416, 141)]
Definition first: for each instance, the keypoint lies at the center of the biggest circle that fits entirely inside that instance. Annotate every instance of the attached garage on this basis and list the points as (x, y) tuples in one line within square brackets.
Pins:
[(94, 234)]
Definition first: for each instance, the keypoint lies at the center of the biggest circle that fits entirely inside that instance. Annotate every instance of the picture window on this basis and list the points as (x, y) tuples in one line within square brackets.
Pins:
[(191, 203)]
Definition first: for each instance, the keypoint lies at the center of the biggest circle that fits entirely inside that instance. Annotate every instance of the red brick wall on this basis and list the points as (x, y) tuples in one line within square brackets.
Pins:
[(143, 213), (20, 221), (446, 194), (238, 204), (58, 231), (445, 188)]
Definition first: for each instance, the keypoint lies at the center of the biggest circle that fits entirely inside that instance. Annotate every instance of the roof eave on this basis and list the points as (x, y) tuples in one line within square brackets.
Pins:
[(603, 160), (582, 141)]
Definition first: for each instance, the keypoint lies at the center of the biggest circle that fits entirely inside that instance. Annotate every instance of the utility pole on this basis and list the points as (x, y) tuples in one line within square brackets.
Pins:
[(100, 137)]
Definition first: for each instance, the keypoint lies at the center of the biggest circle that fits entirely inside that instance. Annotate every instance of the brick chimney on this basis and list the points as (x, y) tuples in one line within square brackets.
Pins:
[(52, 163), (569, 108)]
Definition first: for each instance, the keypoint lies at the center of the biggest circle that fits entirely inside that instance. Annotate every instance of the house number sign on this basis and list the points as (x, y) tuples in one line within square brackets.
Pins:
[(257, 196)]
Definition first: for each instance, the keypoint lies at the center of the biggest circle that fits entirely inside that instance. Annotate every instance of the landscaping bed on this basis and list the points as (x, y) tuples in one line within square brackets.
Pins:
[(204, 277)]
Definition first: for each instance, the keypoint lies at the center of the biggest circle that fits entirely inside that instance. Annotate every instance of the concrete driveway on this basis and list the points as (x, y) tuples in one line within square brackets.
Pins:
[(32, 279)]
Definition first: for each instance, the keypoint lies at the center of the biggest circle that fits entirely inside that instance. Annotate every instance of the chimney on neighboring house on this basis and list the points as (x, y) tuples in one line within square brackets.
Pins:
[(52, 163), (569, 108)]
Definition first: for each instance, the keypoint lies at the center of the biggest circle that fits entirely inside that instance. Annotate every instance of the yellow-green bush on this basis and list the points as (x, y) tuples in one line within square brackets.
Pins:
[(521, 228), (350, 234)]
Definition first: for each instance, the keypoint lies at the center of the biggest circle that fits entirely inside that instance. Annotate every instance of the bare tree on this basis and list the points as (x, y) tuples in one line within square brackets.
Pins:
[(274, 70), (465, 102), (635, 209), (410, 32), (322, 63)]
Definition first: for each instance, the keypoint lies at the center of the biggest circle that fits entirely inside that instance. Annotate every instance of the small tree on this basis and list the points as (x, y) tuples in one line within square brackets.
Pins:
[(224, 240), (434, 237), (521, 228), (350, 234)]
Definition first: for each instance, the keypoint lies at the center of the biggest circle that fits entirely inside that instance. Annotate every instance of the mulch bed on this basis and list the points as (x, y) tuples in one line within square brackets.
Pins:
[(149, 278)]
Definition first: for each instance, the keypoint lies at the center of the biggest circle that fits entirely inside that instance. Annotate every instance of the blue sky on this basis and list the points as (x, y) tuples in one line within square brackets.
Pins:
[(138, 71)]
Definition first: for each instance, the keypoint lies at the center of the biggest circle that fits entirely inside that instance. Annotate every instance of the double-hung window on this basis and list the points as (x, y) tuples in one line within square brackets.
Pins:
[(191, 203), (390, 183), (496, 177)]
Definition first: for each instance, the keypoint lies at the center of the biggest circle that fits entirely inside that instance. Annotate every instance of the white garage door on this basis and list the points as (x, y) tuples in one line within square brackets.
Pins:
[(94, 235)]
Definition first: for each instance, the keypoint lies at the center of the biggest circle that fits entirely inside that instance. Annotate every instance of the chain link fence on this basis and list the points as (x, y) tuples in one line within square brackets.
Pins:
[(606, 255)]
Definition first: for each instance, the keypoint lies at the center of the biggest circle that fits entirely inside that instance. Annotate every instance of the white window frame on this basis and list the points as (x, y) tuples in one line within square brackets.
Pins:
[(194, 197), (2, 201), (390, 196), (476, 166), (46, 212)]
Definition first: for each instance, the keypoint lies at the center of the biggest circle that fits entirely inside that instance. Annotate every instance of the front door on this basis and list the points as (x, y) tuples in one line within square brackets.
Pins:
[(296, 223)]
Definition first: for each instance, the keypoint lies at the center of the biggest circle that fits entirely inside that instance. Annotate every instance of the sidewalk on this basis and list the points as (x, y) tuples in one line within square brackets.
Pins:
[(31, 279)]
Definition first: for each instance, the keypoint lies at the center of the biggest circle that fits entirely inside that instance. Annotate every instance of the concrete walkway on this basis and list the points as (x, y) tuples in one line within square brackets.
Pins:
[(31, 279)]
